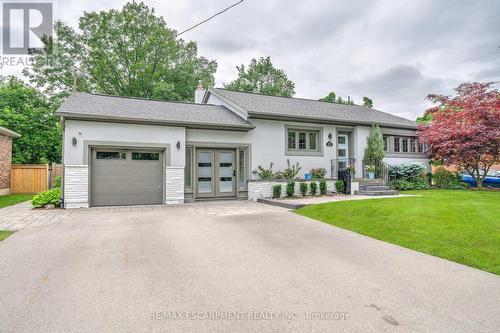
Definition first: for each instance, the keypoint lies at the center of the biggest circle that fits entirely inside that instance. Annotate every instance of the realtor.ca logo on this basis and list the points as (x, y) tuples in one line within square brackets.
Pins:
[(26, 27)]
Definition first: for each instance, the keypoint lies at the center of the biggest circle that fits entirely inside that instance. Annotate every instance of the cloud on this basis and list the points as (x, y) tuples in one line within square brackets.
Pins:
[(396, 52)]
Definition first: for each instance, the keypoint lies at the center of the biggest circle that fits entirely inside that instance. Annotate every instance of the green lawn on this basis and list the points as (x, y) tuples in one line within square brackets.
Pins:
[(9, 200), (12, 199), (462, 226), (4, 234)]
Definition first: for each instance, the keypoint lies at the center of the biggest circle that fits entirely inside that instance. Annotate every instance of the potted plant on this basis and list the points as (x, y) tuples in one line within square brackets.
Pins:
[(370, 169)]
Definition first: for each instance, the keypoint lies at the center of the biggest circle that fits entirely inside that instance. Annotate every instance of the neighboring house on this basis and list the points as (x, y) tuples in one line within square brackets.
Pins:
[(6, 136), (123, 151)]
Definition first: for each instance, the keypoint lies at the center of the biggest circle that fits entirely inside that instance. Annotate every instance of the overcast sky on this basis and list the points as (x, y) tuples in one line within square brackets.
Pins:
[(395, 52)]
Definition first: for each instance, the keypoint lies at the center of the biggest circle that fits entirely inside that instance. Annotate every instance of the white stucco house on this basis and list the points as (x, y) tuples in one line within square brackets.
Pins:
[(126, 151)]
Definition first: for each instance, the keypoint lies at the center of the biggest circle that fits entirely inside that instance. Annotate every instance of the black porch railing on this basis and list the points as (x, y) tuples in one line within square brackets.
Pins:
[(341, 164), (381, 171)]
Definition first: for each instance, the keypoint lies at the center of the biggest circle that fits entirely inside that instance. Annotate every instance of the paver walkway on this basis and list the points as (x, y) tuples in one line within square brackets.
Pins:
[(23, 216)]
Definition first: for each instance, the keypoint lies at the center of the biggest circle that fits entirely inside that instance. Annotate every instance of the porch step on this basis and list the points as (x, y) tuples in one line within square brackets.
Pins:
[(376, 193), (365, 187), (366, 181)]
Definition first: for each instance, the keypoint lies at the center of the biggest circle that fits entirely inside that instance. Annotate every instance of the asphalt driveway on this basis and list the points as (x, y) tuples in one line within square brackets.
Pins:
[(230, 266)]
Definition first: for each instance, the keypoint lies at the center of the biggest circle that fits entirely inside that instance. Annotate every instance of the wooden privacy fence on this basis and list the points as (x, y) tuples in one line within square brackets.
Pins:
[(33, 178)]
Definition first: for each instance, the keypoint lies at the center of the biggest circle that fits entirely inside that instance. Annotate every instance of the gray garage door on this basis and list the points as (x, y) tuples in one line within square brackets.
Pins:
[(126, 177)]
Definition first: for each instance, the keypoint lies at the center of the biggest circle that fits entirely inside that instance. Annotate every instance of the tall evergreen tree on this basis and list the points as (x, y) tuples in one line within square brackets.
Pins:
[(374, 151)]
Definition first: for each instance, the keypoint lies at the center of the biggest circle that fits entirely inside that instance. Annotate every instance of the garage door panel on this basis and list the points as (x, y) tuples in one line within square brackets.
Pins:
[(126, 182)]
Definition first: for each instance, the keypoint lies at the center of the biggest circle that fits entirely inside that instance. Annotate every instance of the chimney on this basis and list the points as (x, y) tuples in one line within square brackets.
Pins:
[(199, 93)]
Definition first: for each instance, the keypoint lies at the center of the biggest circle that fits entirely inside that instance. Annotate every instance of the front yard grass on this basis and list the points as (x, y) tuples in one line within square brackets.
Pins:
[(12, 199), (4, 234), (462, 226)]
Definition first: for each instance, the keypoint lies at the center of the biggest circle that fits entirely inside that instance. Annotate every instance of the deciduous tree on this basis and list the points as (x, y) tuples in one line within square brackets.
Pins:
[(27, 112), (126, 52), (368, 102), (262, 77), (330, 98), (464, 130)]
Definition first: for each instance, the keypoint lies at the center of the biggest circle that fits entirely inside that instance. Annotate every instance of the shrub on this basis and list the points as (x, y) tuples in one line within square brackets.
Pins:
[(401, 185), (276, 191), (339, 186), (446, 179), (264, 173), (290, 189), (318, 173), (42, 199), (322, 186), (291, 172), (406, 171), (314, 188), (303, 188), (57, 182), (417, 183)]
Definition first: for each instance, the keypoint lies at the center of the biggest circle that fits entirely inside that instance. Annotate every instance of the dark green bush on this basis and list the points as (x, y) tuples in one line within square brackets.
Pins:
[(303, 188), (318, 173), (276, 191), (339, 186), (417, 183), (401, 185), (290, 189), (446, 179), (42, 199), (322, 186), (314, 188)]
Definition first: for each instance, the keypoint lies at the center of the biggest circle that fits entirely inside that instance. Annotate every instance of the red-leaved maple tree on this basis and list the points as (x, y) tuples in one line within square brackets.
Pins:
[(464, 130)]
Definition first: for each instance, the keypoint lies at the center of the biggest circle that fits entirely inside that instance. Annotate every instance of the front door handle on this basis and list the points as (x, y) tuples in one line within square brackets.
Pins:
[(234, 173)]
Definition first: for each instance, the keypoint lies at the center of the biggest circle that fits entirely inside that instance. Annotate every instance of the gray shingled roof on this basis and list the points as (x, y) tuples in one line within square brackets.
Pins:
[(272, 106), (103, 107)]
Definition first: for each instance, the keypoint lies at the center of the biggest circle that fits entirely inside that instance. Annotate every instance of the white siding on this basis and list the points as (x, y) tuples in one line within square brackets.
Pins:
[(268, 144), (120, 134), (76, 186)]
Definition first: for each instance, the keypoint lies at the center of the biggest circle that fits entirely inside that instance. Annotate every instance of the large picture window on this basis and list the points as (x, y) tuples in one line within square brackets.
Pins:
[(303, 141)]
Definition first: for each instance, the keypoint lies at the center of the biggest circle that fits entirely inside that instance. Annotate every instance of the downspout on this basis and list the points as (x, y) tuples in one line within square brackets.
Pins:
[(63, 178)]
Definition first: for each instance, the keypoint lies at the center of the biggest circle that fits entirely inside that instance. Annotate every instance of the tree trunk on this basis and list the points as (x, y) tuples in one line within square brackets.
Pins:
[(479, 183)]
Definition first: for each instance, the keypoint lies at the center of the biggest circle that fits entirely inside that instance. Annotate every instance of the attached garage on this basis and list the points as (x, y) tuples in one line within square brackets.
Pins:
[(120, 177)]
